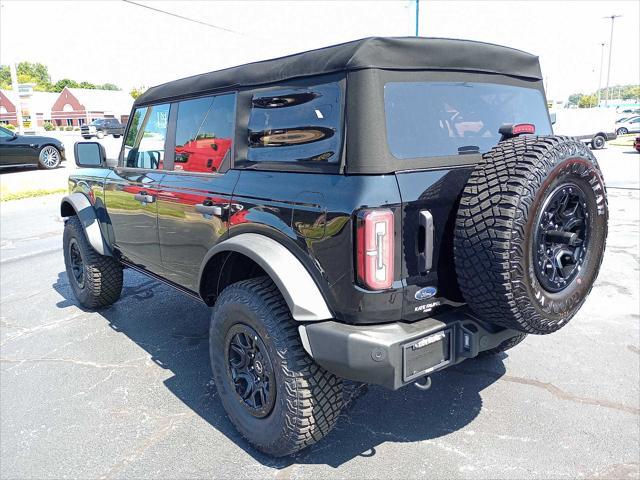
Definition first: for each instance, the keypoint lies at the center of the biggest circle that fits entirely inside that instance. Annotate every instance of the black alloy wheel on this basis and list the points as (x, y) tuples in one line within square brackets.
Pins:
[(250, 370), (561, 237), (76, 263)]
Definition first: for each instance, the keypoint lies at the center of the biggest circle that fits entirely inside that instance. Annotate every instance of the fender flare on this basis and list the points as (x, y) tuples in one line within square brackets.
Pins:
[(86, 213), (298, 288)]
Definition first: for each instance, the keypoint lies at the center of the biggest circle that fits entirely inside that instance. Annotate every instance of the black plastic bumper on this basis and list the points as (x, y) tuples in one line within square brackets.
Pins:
[(397, 354)]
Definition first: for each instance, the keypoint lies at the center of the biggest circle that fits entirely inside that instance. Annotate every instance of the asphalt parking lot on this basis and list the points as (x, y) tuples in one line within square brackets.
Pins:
[(127, 391)]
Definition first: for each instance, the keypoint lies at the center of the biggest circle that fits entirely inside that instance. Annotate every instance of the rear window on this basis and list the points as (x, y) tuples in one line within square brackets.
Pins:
[(434, 119)]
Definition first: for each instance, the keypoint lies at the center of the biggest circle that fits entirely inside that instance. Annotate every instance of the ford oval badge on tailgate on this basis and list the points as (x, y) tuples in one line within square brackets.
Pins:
[(425, 293)]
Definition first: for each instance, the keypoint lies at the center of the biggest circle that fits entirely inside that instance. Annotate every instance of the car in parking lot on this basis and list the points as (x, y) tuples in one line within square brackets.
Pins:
[(630, 125), (636, 144), (101, 128), (29, 150), (370, 213)]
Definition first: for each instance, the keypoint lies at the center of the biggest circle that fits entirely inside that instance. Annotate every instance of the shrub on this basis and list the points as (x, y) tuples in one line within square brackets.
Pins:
[(68, 128), (76, 129), (48, 126)]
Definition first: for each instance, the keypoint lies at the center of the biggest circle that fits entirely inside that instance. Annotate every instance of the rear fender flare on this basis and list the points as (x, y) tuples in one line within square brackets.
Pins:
[(296, 284), (78, 204)]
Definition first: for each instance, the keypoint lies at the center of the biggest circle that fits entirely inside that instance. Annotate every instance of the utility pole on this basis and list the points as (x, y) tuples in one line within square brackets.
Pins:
[(417, 18), (612, 17), (600, 77), (18, 105)]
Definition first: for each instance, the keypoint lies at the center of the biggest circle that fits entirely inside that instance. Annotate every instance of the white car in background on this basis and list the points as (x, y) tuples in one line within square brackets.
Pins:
[(629, 125)]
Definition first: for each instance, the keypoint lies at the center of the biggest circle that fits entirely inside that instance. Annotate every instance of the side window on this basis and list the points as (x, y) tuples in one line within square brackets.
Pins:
[(301, 125), (144, 141), (204, 133)]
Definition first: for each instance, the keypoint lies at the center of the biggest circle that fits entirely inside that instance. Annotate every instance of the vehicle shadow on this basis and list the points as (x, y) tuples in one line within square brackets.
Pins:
[(173, 329)]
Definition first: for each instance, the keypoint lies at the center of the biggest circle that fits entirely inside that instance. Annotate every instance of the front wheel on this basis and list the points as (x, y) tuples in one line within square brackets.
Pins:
[(49, 157), (622, 131), (273, 392), (116, 135), (96, 280), (100, 134)]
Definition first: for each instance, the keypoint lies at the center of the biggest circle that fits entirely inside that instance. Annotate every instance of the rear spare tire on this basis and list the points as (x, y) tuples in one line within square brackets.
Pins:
[(530, 232)]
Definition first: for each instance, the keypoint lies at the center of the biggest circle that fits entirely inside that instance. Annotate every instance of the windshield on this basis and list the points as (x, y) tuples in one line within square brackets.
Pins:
[(98, 122), (432, 119)]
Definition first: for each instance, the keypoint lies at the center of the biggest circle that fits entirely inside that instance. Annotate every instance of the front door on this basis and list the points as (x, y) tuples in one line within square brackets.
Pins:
[(131, 191), (194, 207)]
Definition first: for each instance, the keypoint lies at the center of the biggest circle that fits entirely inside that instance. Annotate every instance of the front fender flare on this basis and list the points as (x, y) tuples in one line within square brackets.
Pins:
[(298, 288), (77, 203)]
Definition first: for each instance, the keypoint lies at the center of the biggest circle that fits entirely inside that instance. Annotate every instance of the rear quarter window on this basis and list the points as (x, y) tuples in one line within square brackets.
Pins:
[(434, 119), (298, 124)]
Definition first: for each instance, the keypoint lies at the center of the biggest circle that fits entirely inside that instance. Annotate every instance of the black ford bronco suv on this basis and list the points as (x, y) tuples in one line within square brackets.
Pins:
[(368, 212)]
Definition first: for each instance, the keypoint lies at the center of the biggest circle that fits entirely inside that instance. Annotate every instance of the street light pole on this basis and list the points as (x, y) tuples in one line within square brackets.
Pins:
[(612, 17), (417, 17), (600, 77), (16, 94)]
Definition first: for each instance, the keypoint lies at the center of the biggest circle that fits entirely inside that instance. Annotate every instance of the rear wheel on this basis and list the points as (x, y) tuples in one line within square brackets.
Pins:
[(598, 142), (116, 136), (530, 233), (622, 131), (96, 280), (49, 157), (273, 392)]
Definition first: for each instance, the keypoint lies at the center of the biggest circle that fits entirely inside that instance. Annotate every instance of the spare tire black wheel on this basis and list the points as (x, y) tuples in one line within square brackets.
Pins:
[(530, 233)]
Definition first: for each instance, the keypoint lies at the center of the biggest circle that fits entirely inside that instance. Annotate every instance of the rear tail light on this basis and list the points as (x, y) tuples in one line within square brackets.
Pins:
[(375, 248)]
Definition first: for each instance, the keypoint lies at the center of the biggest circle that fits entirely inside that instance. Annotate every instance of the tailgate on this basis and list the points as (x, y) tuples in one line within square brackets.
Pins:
[(429, 205)]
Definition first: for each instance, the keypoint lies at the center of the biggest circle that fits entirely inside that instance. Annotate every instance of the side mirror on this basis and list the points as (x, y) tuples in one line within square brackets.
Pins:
[(90, 155), (553, 118)]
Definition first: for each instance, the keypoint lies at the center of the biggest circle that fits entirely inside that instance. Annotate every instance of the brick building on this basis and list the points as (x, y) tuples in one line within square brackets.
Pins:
[(71, 107)]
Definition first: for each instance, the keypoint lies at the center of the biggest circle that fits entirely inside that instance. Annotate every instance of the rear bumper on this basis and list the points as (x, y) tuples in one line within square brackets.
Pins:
[(397, 354)]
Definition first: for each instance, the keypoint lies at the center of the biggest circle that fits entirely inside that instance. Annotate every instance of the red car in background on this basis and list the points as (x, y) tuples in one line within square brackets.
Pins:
[(202, 154), (636, 144)]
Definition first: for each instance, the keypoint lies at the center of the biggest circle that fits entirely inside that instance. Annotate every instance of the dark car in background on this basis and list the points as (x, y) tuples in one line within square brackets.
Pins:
[(101, 128), (636, 144), (29, 150)]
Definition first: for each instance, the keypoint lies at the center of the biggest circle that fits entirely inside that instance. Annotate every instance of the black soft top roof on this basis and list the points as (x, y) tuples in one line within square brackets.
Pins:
[(407, 53)]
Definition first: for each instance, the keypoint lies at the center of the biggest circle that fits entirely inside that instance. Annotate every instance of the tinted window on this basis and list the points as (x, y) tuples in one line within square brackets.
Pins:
[(144, 142), (296, 125), (204, 133), (5, 133), (431, 119)]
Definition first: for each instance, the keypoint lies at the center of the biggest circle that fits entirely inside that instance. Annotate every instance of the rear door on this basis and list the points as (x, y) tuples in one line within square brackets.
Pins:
[(131, 191), (195, 194), (439, 123)]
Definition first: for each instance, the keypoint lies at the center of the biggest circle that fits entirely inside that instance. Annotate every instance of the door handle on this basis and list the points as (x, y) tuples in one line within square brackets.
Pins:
[(209, 209), (143, 197)]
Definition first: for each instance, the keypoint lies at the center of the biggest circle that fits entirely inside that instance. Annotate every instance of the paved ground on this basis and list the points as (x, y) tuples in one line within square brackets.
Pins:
[(126, 392)]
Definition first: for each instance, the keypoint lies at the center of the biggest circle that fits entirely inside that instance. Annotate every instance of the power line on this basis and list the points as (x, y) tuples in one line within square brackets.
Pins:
[(217, 27)]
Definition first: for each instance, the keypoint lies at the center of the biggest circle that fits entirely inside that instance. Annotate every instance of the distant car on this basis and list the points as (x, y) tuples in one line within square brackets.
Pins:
[(630, 125), (636, 144), (27, 150), (102, 127)]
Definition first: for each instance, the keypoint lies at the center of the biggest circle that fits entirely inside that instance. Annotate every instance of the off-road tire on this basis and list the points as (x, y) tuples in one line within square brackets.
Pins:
[(598, 142), (504, 346), (308, 399), (493, 234), (102, 283)]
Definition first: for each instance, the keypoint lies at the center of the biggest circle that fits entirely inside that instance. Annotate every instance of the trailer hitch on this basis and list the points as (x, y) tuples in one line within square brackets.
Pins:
[(424, 386)]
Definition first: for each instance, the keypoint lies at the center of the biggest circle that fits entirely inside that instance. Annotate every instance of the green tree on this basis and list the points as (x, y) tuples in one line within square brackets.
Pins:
[(33, 73), (65, 82), (588, 101), (108, 86), (88, 85), (5, 77), (631, 92), (575, 98), (137, 91)]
